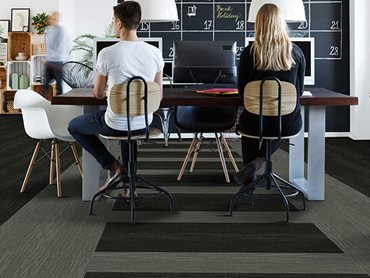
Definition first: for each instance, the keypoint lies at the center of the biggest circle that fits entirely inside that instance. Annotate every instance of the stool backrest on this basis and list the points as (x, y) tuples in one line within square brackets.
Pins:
[(118, 98), (270, 97)]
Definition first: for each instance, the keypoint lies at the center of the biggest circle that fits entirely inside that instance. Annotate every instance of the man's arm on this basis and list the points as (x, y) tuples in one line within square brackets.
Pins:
[(100, 85), (158, 79)]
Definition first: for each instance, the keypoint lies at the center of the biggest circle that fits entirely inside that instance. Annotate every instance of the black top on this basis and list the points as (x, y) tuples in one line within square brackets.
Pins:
[(292, 123)]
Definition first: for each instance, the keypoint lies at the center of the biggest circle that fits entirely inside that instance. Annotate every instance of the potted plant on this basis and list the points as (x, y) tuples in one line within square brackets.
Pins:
[(40, 22)]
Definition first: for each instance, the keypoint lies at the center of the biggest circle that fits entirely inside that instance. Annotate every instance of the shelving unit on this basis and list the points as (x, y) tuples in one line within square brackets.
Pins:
[(29, 69)]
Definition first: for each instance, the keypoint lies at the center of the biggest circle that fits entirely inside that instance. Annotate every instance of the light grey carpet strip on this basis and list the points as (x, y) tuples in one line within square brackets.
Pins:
[(223, 262)]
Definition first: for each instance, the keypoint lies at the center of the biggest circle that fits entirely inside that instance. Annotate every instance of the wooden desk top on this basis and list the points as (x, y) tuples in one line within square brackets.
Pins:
[(179, 96)]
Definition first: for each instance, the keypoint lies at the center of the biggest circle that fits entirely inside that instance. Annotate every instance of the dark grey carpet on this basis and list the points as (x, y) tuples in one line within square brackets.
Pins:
[(217, 275), (176, 165), (209, 144), (215, 237), (191, 179), (15, 153), (181, 154), (348, 161), (203, 202)]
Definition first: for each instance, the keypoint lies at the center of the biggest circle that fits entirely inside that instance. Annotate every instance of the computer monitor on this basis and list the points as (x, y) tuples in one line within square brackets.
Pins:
[(204, 62), (100, 43), (307, 45)]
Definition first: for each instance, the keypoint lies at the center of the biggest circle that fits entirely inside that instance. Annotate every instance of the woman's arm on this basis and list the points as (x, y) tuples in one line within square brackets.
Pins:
[(301, 72), (244, 70)]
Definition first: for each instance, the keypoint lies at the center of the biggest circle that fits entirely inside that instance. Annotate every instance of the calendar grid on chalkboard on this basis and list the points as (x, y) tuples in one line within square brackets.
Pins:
[(227, 20), (221, 20)]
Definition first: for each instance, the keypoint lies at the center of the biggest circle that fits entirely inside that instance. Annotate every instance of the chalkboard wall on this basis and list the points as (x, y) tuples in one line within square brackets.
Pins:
[(327, 22)]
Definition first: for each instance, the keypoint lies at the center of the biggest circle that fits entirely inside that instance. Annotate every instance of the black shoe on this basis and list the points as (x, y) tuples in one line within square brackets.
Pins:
[(118, 174), (250, 185), (245, 173), (248, 171)]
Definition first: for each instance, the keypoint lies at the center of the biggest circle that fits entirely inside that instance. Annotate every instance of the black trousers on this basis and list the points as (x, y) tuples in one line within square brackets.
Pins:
[(249, 123), (251, 150), (54, 71)]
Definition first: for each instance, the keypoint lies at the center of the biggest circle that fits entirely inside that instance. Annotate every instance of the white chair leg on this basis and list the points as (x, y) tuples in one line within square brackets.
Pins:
[(196, 152), (57, 166), (30, 166), (75, 154), (195, 139), (222, 158), (229, 153), (52, 161)]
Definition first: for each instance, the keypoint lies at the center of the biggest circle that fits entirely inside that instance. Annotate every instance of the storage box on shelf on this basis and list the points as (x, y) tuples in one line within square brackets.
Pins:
[(19, 42), (19, 73), (38, 77), (3, 53), (3, 62), (39, 88), (37, 68), (38, 49), (3, 77), (7, 102)]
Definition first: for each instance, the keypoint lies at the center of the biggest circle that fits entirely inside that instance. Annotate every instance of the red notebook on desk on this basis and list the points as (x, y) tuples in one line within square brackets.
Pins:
[(219, 91)]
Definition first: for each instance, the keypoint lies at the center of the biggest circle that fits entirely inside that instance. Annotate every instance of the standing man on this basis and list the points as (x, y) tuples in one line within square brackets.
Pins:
[(117, 64), (56, 52)]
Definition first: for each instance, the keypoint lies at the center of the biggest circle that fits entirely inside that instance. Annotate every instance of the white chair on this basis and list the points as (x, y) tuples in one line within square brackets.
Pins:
[(43, 121)]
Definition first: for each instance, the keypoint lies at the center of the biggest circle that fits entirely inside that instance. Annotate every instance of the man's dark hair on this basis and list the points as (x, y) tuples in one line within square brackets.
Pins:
[(129, 13)]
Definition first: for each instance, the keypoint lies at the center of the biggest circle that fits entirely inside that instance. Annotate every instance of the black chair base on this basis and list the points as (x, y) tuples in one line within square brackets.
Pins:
[(271, 180), (164, 115), (133, 199)]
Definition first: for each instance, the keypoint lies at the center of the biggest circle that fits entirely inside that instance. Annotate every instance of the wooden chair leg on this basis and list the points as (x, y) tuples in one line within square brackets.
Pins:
[(196, 152), (57, 166), (195, 139), (52, 161), (30, 166), (222, 158), (75, 154), (229, 153)]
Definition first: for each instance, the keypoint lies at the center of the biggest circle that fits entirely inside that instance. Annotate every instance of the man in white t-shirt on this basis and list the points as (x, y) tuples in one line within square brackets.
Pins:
[(116, 64)]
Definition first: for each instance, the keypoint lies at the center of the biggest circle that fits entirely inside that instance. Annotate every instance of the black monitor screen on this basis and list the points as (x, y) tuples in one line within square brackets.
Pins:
[(204, 62), (307, 45)]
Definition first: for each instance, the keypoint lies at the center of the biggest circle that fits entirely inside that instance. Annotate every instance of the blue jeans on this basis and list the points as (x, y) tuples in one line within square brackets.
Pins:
[(85, 130)]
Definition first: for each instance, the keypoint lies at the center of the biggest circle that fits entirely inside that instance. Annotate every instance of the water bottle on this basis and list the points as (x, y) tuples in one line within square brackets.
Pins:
[(15, 81), (23, 81)]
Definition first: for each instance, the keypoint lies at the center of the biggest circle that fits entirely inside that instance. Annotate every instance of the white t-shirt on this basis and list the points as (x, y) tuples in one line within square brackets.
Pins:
[(119, 63)]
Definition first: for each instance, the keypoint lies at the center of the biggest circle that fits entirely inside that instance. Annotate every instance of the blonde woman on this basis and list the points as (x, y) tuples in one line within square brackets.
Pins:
[(272, 54)]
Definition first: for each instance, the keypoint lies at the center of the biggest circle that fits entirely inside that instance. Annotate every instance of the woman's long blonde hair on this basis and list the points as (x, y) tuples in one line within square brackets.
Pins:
[(272, 49)]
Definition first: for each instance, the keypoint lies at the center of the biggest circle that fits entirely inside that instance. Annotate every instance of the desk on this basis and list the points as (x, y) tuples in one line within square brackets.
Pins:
[(313, 186)]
